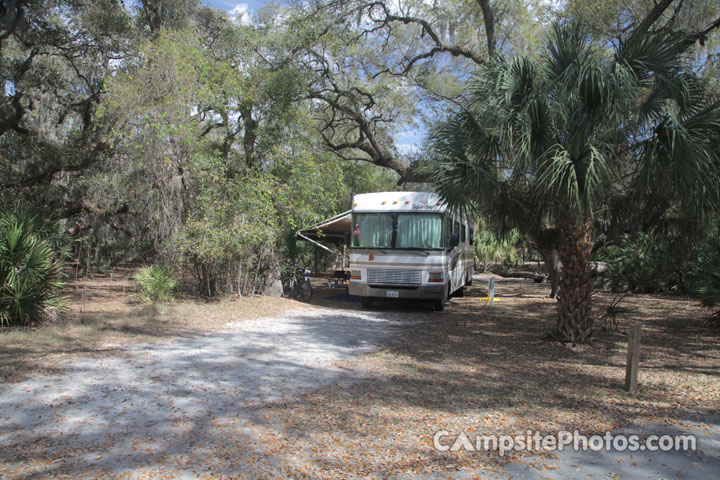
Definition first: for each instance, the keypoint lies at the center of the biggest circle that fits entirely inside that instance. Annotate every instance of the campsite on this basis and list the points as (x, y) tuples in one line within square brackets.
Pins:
[(396, 374), (360, 239)]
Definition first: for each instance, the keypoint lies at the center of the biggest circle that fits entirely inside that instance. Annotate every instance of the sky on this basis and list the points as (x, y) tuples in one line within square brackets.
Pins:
[(246, 8)]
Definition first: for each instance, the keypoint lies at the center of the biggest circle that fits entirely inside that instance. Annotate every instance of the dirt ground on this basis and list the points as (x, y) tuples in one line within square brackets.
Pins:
[(104, 311), (472, 368), (491, 370)]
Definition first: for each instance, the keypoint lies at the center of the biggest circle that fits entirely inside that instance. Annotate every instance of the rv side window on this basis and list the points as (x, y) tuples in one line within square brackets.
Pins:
[(456, 228), (462, 236), (472, 236)]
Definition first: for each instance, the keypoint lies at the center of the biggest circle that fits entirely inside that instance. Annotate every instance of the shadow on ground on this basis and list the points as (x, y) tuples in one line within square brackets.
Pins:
[(339, 392)]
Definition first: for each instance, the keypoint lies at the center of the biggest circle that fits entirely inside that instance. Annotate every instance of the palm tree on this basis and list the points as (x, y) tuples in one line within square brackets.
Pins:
[(555, 141)]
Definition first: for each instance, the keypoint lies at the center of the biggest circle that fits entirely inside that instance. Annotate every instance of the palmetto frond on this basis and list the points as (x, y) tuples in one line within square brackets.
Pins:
[(30, 275), (567, 54)]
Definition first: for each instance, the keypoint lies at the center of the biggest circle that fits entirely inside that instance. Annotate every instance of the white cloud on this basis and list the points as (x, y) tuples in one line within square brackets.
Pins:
[(410, 141), (240, 14), (407, 148)]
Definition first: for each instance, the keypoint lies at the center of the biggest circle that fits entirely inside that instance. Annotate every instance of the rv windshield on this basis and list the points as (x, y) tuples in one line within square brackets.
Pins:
[(373, 230), (419, 230), (398, 230)]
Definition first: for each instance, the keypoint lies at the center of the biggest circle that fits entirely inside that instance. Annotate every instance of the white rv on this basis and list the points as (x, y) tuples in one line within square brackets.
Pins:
[(409, 245)]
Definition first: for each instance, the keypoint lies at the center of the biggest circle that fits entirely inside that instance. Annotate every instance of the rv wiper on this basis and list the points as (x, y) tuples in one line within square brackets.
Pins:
[(427, 254)]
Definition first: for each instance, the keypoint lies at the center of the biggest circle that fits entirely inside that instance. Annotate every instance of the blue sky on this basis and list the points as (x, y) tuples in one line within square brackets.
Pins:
[(230, 4), (251, 6)]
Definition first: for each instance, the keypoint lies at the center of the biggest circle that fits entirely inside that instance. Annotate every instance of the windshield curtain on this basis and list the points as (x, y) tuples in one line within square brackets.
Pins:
[(373, 230), (419, 231), (403, 230)]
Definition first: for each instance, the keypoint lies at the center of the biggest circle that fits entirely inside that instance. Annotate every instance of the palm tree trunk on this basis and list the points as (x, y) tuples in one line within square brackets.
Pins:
[(575, 323)]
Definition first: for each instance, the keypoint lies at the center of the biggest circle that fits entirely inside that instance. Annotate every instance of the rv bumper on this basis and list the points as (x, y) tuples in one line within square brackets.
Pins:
[(421, 291)]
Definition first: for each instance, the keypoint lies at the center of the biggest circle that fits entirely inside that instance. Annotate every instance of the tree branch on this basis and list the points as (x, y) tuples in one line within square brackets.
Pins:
[(440, 47), (652, 17), (701, 36)]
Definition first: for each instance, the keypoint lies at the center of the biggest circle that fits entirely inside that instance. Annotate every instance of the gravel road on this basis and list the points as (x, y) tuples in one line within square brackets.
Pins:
[(193, 406), (169, 402)]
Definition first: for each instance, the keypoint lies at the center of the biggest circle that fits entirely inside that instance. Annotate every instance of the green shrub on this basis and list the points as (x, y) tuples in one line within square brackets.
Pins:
[(707, 282), (156, 284), (491, 249), (641, 263), (30, 271), (231, 234), (645, 263), (709, 292)]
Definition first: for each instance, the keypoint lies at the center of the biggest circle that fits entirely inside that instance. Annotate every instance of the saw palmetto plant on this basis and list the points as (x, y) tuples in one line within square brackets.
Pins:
[(30, 272)]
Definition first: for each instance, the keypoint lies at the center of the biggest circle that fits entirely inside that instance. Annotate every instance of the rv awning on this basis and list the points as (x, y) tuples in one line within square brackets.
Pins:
[(332, 228)]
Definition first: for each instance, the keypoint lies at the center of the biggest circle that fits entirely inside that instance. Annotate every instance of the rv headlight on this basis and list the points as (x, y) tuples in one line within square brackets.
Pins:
[(355, 275), (435, 277)]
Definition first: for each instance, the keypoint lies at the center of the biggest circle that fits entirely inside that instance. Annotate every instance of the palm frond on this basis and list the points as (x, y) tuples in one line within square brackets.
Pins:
[(568, 50), (652, 54), (564, 133)]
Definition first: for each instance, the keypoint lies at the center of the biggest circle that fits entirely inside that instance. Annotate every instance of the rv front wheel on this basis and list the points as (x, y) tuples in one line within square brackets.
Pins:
[(366, 302)]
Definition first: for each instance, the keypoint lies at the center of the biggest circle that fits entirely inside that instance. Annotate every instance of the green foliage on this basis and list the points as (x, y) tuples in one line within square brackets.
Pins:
[(707, 280), (493, 249), (156, 283), (657, 262), (709, 292), (232, 226), (30, 271), (610, 317), (543, 133), (639, 264)]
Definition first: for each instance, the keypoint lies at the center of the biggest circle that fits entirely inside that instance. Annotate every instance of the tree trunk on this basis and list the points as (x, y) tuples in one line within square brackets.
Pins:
[(273, 278), (154, 12), (575, 323), (652, 17), (546, 242), (489, 19), (249, 134), (529, 275), (552, 268)]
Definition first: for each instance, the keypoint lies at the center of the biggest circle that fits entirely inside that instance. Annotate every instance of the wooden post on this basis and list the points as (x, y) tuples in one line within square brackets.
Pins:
[(491, 295), (633, 357)]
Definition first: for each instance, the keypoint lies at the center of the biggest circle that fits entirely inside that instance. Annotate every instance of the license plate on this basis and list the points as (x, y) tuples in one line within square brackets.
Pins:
[(393, 293)]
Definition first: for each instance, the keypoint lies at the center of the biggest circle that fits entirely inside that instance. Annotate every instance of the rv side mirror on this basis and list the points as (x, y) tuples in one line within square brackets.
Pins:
[(348, 238), (454, 239)]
